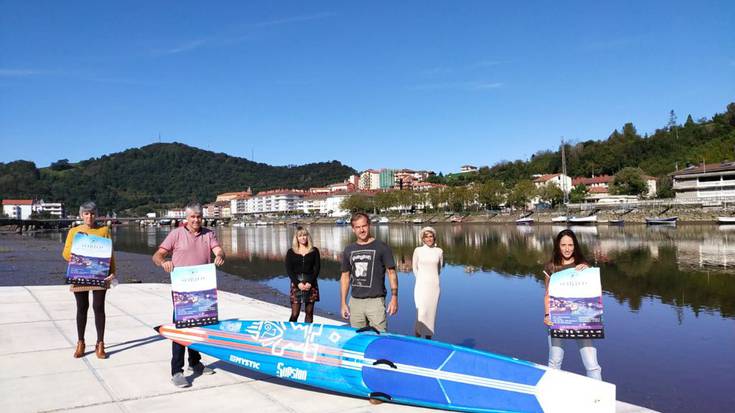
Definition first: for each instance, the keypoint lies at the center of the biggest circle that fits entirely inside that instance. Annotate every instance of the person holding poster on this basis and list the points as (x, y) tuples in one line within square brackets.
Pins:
[(88, 213), (567, 254), (302, 266), (189, 245)]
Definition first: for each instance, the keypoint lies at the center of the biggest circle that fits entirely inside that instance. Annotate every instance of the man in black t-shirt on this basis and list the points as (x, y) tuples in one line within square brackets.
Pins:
[(364, 264)]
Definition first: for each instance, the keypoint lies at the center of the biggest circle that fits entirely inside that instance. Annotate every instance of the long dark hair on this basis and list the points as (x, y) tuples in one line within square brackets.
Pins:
[(556, 258)]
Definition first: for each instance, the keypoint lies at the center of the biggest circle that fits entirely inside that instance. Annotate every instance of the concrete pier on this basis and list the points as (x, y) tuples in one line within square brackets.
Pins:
[(39, 374)]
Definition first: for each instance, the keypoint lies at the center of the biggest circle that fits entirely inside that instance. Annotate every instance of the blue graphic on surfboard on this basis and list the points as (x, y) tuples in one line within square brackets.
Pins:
[(395, 368)]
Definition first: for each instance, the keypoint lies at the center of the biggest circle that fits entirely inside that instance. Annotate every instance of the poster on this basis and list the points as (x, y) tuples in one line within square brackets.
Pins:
[(194, 294), (575, 304), (90, 260)]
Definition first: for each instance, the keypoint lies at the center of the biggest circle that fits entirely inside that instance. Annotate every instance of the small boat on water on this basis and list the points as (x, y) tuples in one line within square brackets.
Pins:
[(562, 218), (615, 222), (592, 219), (662, 221), (417, 221), (340, 222), (260, 223), (525, 221), (382, 220), (455, 219), (726, 220)]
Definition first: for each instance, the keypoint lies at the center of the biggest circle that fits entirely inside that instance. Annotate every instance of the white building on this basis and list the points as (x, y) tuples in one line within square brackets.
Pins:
[(176, 213), (239, 205), (713, 182), (19, 208), (277, 201), (56, 209), (598, 187), (341, 187), (560, 180), (467, 168), (313, 203), (369, 179), (320, 190), (333, 205)]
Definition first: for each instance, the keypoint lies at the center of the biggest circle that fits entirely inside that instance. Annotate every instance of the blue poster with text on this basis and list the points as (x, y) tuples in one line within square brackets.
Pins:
[(575, 304), (194, 294), (90, 260)]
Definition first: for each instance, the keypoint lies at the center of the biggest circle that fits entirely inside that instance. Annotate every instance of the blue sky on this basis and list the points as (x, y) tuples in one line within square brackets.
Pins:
[(423, 85)]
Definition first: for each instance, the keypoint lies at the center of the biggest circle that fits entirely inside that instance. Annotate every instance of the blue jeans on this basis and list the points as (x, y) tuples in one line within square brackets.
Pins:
[(586, 350)]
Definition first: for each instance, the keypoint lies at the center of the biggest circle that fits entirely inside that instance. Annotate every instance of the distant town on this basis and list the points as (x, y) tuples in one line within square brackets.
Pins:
[(706, 184)]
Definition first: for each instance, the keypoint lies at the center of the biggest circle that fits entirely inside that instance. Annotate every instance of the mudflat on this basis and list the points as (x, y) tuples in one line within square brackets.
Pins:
[(26, 260)]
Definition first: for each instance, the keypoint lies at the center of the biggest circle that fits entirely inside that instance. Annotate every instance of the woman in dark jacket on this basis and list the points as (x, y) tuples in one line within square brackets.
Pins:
[(302, 266)]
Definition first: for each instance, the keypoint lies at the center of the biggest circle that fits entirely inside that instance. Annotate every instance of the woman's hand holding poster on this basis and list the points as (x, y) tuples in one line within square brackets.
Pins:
[(575, 304), (90, 260), (194, 293)]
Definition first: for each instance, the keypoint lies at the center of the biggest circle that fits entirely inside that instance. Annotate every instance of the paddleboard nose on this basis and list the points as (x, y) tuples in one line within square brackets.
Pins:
[(157, 328)]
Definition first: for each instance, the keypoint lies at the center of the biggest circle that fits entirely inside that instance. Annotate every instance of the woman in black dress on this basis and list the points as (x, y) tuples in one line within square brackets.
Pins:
[(302, 266)]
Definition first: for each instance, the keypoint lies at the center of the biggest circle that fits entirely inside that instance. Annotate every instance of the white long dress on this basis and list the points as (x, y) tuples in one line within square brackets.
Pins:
[(427, 263)]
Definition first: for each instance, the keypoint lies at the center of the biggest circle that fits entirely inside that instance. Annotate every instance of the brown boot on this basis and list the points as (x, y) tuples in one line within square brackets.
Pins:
[(99, 349), (79, 352)]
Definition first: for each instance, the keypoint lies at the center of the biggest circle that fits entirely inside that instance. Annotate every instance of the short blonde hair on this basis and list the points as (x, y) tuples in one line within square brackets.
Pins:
[(295, 243), (423, 232)]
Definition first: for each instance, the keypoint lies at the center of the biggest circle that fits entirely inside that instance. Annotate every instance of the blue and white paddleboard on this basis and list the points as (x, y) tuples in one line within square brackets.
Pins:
[(395, 368)]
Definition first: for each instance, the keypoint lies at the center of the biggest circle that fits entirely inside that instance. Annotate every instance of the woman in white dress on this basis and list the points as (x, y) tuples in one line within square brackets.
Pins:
[(428, 260)]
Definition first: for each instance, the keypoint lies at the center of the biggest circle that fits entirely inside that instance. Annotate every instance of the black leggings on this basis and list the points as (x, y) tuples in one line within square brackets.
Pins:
[(296, 309), (98, 305)]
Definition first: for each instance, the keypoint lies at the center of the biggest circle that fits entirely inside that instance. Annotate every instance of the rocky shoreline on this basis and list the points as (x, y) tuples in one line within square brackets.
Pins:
[(687, 214)]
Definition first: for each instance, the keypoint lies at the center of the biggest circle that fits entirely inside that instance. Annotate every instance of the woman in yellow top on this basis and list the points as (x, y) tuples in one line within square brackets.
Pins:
[(88, 213)]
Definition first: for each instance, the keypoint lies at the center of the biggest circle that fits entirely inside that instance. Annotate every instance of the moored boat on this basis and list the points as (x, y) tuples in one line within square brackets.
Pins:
[(525, 221), (661, 221), (726, 220), (592, 219), (562, 218), (615, 222)]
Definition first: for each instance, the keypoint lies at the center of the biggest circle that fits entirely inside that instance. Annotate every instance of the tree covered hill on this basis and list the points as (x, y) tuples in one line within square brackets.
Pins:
[(675, 145), (162, 174)]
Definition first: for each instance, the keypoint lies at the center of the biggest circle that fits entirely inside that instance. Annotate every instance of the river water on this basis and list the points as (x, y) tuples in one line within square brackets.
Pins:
[(668, 295)]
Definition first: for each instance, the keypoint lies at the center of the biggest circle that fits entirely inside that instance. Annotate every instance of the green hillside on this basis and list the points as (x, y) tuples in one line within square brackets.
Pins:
[(158, 175), (675, 145)]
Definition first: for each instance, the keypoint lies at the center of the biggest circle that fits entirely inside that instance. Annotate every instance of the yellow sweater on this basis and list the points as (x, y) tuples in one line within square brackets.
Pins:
[(99, 231)]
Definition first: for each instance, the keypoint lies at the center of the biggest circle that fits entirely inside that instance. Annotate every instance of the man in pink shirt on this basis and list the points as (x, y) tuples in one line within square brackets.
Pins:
[(188, 245)]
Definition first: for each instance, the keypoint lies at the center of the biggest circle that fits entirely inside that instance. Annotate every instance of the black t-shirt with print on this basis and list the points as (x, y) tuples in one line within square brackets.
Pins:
[(367, 264)]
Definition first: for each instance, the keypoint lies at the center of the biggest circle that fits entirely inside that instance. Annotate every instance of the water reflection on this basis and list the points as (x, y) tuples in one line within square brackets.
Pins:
[(685, 265)]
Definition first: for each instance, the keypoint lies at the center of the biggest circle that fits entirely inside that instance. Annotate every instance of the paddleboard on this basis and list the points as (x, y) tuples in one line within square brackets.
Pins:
[(395, 368)]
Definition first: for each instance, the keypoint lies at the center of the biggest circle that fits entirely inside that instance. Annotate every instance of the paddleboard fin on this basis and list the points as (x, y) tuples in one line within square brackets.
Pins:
[(379, 394), (386, 362), (368, 328)]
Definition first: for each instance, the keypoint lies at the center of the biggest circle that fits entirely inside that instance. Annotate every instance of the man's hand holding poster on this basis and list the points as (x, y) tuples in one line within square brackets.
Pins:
[(575, 304), (90, 260), (194, 294)]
